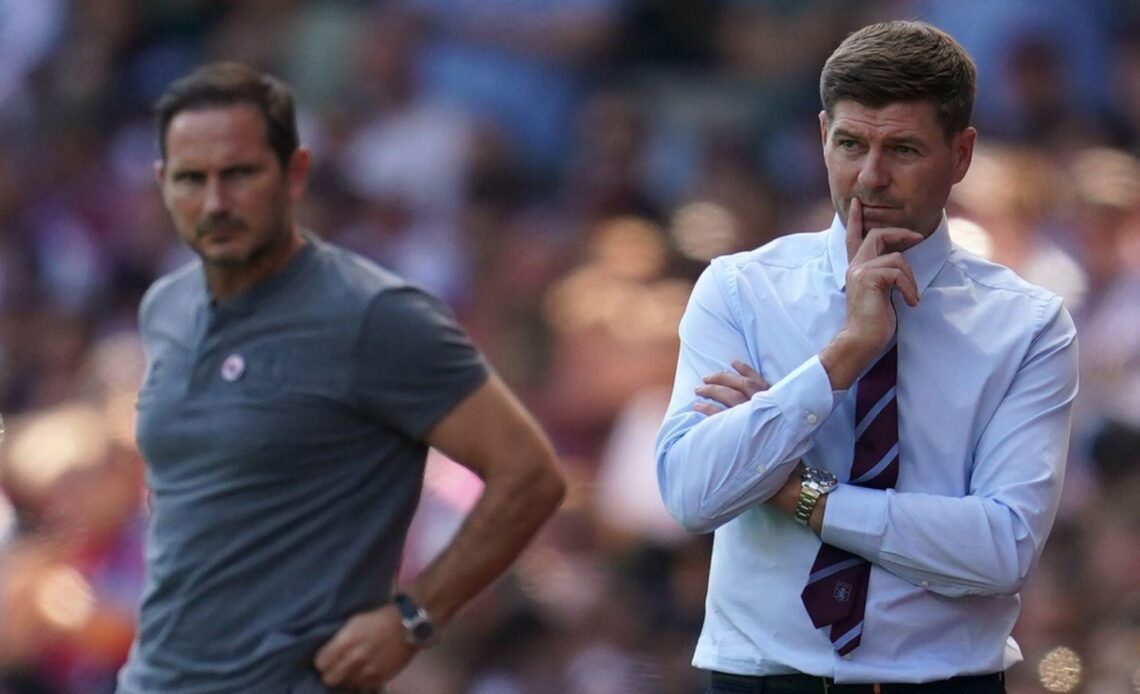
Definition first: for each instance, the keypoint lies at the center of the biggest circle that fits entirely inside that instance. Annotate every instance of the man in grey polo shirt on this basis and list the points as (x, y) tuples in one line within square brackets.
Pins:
[(291, 395)]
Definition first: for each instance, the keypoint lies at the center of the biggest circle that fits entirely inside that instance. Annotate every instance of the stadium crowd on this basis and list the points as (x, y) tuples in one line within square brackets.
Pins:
[(559, 171)]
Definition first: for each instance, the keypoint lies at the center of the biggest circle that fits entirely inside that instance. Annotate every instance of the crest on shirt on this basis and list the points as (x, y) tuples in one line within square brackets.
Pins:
[(233, 367), (842, 592)]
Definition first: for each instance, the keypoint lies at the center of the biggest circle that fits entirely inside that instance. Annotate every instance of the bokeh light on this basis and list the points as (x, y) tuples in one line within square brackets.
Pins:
[(65, 598), (1060, 670)]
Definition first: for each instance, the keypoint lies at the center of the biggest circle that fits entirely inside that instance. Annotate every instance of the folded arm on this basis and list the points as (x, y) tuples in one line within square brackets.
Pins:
[(711, 468), (986, 542)]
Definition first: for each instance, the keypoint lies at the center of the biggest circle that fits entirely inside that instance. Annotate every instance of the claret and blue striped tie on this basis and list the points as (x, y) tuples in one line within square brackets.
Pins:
[(836, 591)]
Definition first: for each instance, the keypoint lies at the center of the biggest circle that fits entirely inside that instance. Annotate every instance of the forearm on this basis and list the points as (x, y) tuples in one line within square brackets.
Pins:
[(712, 468), (713, 473), (981, 535), (509, 512), (953, 546)]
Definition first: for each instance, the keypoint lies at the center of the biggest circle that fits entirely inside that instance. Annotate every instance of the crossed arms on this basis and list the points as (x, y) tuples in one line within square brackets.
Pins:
[(714, 464)]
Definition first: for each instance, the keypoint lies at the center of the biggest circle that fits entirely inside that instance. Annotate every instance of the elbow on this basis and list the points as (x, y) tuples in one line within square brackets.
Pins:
[(1010, 582), (686, 511), (546, 485), (696, 524), (685, 506), (531, 488), (554, 488), (996, 587), (1002, 582), (1018, 557)]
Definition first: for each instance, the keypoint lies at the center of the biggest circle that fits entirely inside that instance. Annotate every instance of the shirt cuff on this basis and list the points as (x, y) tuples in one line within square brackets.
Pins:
[(855, 519), (804, 396)]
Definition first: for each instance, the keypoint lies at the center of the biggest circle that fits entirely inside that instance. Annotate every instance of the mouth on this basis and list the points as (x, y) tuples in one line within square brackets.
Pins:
[(220, 229), (879, 213)]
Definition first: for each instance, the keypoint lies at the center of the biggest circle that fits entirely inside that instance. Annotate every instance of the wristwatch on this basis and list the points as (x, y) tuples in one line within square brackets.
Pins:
[(419, 629), (814, 483)]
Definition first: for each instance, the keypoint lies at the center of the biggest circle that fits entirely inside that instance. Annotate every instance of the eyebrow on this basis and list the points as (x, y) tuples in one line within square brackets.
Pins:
[(841, 132)]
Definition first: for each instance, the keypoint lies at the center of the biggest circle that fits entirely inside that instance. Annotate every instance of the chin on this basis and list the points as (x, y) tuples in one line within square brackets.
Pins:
[(226, 255)]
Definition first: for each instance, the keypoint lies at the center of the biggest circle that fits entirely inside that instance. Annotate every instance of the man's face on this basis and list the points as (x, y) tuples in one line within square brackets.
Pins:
[(228, 195), (896, 160)]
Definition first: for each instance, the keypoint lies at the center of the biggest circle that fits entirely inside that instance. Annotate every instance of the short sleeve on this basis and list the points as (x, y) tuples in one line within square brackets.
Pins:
[(414, 362)]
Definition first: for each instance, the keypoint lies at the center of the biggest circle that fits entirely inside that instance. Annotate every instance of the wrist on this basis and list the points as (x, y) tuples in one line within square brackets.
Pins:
[(815, 485), (847, 356), (420, 629)]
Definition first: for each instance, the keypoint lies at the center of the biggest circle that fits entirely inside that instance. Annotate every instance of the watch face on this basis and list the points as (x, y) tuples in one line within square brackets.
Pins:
[(821, 478), (423, 631)]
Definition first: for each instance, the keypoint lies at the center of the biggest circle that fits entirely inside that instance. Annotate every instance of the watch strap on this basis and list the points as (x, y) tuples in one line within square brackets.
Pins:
[(419, 628), (809, 498)]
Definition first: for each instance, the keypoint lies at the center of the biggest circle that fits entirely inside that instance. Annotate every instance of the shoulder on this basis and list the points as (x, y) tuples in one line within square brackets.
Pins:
[(387, 306), (172, 291), (348, 274), (347, 288), (990, 276), (997, 285), (785, 252), (769, 265)]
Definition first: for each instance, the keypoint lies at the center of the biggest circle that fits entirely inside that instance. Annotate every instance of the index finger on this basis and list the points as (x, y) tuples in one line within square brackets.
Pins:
[(328, 654), (881, 241), (854, 227)]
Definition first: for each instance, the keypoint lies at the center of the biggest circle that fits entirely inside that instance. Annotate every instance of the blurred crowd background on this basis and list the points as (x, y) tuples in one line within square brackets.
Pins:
[(559, 171)]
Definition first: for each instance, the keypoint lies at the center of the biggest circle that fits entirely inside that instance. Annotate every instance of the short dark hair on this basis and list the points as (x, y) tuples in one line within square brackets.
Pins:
[(902, 61), (228, 84)]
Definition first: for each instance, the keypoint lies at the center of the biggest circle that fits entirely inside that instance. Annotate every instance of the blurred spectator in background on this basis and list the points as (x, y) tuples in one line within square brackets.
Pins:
[(29, 30), (406, 161), (1013, 194), (522, 64), (73, 581), (1106, 229)]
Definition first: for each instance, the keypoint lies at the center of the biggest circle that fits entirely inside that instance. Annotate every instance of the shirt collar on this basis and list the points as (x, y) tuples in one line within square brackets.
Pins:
[(925, 259), (247, 301)]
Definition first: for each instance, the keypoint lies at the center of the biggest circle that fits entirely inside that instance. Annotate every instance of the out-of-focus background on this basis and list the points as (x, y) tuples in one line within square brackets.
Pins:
[(559, 171)]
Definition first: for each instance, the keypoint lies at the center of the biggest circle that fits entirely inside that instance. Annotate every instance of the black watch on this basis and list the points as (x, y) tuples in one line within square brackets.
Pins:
[(419, 629)]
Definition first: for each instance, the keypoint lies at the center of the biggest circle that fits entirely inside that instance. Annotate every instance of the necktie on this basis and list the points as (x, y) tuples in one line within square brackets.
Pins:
[(836, 591)]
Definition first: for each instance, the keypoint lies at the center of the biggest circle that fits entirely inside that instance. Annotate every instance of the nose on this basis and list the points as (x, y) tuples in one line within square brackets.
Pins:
[(216, 199), (873, 174)]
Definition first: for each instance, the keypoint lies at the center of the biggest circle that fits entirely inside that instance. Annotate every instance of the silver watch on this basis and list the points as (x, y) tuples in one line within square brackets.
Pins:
[(814, 483)]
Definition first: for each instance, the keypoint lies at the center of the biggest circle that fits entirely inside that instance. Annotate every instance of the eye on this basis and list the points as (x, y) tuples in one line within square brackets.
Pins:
[(241, 171), (905, 150), (188, 177)]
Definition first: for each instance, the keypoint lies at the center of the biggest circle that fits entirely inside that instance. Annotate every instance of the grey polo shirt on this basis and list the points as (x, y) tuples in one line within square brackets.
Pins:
[(283, 432)]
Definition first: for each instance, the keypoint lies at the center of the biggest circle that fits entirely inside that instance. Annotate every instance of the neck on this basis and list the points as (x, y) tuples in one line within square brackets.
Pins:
[(226, 280)]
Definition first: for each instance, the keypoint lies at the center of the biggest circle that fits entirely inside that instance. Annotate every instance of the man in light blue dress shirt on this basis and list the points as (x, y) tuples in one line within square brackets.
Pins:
[(986, 375)]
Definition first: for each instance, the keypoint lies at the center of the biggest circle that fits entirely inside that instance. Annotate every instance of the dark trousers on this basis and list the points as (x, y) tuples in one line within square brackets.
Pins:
[(722, 683)]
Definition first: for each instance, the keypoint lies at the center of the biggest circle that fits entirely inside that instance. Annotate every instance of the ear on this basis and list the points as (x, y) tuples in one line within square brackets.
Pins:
[(297, 172), (824, 122), (159, 171), (962, 150)]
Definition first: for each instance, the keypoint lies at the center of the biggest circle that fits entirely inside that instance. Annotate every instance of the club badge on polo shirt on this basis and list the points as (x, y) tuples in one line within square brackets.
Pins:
[(233, 367)]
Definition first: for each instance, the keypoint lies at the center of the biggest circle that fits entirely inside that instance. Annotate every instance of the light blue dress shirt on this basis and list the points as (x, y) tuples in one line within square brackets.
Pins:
[(987, 374)]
